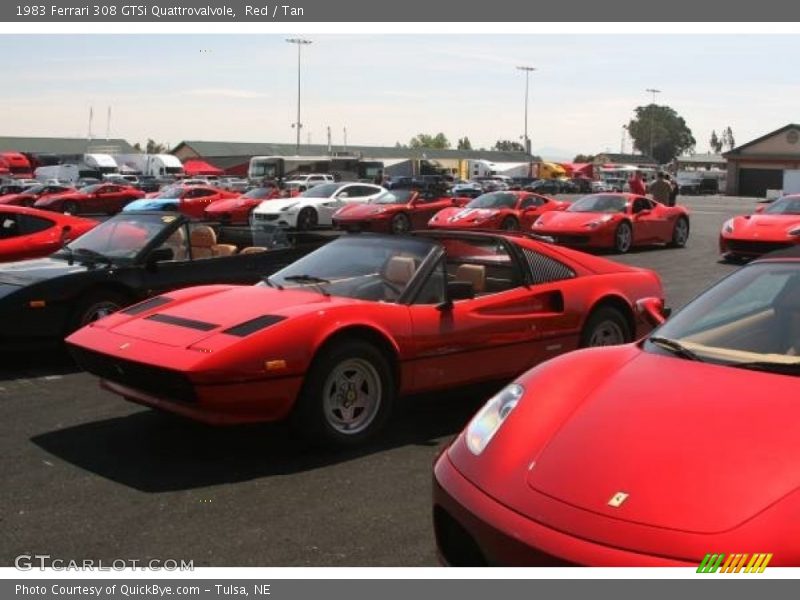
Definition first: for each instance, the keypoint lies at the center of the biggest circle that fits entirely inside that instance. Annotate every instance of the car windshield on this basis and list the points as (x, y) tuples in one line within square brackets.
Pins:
[(324, 190), (788, 205), (600, 203), (751, 319), (395, 197), (258, 193), (90, 189), (494, 200), (171, 193), (121, 237), (362, 267)]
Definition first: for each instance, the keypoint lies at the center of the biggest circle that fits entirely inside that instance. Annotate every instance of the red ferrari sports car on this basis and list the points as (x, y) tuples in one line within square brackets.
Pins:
[(107, 198), (395, 211), (647, 454), (772, 228), (616, 221), (29, 196), (332, 339), (31, 233), (497, 210), (191, 200), (236, 211)]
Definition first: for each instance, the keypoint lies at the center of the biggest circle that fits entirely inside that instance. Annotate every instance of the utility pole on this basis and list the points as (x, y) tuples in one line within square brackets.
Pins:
[(652, 116), (527, 74), (300, 42)]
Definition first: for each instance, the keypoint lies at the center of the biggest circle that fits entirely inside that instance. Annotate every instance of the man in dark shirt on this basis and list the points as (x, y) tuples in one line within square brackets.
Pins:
[(661, 189)]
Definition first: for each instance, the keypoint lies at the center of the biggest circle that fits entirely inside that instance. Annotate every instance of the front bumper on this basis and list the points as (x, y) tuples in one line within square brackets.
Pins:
[(281, 219), (594, 238), (473, 529), (751, 248)]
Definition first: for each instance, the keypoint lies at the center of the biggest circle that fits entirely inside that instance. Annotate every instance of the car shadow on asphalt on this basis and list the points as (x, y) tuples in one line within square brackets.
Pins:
[(156, 452), (40, 363)]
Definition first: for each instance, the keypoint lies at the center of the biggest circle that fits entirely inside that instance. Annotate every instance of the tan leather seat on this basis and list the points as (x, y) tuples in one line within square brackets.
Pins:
[(177, 243), (475, 274), (399, 270), (253, 250), (223, 249), (203, 239)]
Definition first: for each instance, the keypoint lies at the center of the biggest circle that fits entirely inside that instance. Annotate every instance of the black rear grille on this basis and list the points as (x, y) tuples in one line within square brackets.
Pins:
[(755, 247), (156, 381)]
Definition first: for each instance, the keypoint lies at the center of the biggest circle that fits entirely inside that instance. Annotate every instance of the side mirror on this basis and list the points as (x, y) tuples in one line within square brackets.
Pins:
[(643, 213), (459, 290), (158, 255), (760, 208), (652, 310), (65, 231)]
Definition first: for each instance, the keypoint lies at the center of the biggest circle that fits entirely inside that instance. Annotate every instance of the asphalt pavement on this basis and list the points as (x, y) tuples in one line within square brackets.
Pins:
[(86, 475)]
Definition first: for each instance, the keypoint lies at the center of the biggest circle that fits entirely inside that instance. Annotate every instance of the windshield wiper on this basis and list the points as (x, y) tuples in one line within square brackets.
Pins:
[(92, 254), (792, 368), (316, 281), (675, 347), (271, 283)]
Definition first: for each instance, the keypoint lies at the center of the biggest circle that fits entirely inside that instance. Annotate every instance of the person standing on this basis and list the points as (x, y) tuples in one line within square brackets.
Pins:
[(673, 194), (661, 189), (636, 184)]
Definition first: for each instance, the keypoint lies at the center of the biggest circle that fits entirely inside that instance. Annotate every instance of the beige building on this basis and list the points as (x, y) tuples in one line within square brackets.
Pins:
[(758, 166)]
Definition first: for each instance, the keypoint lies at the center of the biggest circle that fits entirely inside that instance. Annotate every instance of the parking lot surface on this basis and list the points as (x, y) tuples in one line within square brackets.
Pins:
[(88, 476)]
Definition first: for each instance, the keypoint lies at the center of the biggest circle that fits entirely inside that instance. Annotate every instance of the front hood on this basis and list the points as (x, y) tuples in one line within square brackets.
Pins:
[(70, 196), (569, 220), (765, 226), (697, 447), (27, 272), (187, 322), (151, 204), (232, 203), (273, 206)]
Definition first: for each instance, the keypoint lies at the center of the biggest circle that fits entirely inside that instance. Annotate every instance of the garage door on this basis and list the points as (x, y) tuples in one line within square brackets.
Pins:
[(756, 182)]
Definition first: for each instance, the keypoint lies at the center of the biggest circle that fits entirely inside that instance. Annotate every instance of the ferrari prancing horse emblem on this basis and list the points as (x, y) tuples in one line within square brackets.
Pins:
[(618, 499)]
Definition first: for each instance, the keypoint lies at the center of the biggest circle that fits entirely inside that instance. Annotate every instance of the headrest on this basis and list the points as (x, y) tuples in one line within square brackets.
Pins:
[(203, 237), (400, 269), (475, 274)]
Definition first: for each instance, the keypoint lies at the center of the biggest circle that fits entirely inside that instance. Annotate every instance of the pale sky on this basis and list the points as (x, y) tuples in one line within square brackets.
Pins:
[(388, 88)]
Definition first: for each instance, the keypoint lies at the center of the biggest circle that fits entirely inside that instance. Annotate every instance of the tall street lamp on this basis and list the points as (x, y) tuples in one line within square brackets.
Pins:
[(527, 74), (298, 125), (652, 116)]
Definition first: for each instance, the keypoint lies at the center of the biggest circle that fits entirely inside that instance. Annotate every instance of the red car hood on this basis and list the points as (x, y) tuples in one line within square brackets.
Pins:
[(464, 216), (697, 447), (764, 226), (233, 203), (66, 196), (366, 210), (569, 220), (184, 323), (12, 198)]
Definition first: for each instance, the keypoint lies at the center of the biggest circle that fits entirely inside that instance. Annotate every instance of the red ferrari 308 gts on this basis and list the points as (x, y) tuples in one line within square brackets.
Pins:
[(332, 339), (654, 453), (616, 221), (31, 233), (772, 228), (395, 211), (236, 211), (497, 210), (107, 198)]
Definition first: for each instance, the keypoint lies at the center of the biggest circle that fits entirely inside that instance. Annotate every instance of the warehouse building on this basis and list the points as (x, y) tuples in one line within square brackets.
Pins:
[(65, 146), (759, 165)]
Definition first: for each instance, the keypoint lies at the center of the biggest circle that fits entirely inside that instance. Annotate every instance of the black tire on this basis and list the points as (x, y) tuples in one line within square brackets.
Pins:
[(307, 219), (509, 224), (318, 421), (95, 305), (606, 326), (680, 236), (620, 235), (400, 224), (70, 208)]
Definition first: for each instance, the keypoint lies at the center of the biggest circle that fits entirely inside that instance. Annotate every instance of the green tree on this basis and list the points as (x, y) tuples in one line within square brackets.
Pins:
[(464, 144), (583, 158), (508, 146), (153, 147), (663, 130), (715, 143), (727, 139), (425, 140)]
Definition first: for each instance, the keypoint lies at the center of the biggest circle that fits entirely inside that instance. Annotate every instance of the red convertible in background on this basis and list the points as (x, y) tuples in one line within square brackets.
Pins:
[(29, 196), (648, 454), (497, 210), (108, 198), (771, 228), (616, 221), (331, 339), (236, 211), (396, 211), (31, 233)]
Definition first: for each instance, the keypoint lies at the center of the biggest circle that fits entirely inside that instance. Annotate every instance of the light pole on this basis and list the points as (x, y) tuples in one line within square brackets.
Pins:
[(652, 116), (298, 125), (527, 77)]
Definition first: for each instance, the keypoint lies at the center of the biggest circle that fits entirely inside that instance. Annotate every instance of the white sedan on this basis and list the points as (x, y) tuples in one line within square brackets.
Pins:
[(314, 207)]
